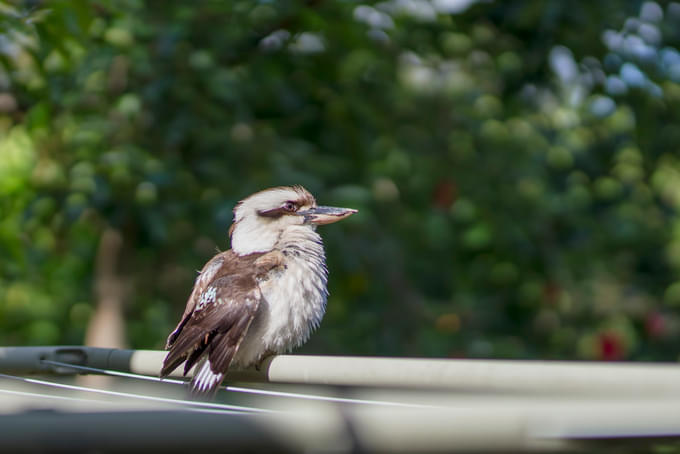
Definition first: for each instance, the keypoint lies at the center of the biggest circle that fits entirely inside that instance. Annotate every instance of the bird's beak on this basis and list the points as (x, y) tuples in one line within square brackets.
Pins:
[(326, 215)]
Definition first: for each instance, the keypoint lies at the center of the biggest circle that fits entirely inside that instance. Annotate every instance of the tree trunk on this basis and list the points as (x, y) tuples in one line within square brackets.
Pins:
[(106, 328)]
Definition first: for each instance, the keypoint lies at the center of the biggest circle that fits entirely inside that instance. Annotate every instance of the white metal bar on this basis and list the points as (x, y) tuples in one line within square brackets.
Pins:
[(505, 376), (114, 373), (534, 377), (490, 405)]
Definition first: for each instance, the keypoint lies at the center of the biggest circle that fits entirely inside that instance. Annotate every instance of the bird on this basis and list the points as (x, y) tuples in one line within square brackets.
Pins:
[(263, 296)]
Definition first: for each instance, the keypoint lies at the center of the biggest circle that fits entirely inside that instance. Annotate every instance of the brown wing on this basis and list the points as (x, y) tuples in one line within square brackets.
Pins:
[(219, 311), (217, 324), (205, 277)]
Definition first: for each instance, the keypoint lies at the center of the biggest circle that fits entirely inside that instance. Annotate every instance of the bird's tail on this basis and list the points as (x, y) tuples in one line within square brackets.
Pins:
[(205, 382)]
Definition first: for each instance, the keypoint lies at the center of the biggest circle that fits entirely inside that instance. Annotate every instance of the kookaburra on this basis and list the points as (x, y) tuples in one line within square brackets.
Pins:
[(263, 296)]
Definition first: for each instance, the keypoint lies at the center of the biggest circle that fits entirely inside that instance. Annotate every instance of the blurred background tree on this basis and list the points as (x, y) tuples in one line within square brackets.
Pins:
[(516, 166)]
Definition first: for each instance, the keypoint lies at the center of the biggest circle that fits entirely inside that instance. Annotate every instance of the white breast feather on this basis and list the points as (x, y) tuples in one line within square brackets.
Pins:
[(294, 300)]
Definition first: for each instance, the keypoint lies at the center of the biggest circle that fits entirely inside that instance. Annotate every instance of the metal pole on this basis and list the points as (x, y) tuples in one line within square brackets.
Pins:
[(490, 405), (532, 377), (505, 376)]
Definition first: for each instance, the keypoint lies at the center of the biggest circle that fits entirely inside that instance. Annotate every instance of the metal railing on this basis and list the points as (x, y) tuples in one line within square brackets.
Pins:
[(353, 403)]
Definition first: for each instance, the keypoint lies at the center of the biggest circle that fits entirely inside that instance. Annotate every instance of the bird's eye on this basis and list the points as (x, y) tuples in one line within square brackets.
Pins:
[(290, 206)]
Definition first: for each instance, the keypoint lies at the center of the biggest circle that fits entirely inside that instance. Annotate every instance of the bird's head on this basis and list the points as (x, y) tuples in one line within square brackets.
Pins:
[(261, 219)]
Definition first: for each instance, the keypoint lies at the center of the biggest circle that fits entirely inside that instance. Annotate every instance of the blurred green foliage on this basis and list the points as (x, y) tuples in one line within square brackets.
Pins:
[(516, 165)]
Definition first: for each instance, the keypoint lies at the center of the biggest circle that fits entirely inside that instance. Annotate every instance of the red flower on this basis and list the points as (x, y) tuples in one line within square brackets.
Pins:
[(611, 347)]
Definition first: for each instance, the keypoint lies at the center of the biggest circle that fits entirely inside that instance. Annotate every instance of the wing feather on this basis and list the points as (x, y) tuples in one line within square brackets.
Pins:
[(219, 312), (226, 343), (205, 277), (180, 349), (216, 327)]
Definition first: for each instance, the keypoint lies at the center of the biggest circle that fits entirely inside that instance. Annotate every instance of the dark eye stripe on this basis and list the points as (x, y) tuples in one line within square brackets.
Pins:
[(288, 207)]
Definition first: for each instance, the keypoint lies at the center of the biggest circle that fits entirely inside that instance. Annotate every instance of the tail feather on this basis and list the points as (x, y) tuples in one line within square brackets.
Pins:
[(170, 363), (205, 382)]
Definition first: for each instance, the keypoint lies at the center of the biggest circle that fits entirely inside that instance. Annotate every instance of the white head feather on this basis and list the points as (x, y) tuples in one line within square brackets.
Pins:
[(253, 232)]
